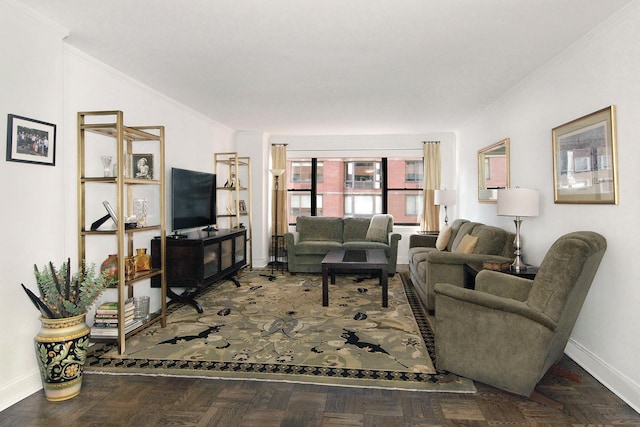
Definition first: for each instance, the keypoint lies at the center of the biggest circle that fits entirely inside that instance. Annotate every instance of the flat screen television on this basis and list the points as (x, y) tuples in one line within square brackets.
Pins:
[(193, 199)]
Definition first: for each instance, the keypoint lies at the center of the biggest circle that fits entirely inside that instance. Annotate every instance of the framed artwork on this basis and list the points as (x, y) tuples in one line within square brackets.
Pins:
[(242, 206), (142, 165), (31, 141), (111, 212), (585, 164)]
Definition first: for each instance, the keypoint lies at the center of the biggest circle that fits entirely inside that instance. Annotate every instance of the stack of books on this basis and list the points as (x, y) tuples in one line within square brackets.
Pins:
[(106, 320)]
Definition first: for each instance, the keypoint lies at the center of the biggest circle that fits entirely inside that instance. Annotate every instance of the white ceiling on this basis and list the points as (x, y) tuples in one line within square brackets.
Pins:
[(328, 66)]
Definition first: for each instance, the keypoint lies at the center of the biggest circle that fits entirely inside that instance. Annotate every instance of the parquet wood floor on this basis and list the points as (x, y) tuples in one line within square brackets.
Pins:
[(108, 400)]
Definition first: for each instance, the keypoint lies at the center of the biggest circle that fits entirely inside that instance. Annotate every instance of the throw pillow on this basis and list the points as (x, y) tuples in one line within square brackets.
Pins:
[(443, 238), (467, 245), (377, 231)]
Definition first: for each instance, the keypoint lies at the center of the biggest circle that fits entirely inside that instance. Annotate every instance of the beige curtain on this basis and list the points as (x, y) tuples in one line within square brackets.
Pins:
[(430, 212), (279, 161)]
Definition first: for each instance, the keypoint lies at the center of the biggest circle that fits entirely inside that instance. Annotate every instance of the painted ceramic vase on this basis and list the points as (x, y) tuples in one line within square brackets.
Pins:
[(110, 265), (61, 346)]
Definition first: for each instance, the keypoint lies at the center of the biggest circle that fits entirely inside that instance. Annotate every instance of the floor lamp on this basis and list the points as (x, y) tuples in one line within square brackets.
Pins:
[(444, 198), (276, 175), (518, 202)]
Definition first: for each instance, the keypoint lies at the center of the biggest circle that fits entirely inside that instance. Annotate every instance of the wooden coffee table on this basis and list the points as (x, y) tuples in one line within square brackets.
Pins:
[(355, 260)]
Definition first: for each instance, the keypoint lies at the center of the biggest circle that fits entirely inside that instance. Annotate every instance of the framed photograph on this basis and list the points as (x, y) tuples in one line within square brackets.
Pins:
[(31, 141), (585, 163), (142, 165), (242, 206), (111, 212)]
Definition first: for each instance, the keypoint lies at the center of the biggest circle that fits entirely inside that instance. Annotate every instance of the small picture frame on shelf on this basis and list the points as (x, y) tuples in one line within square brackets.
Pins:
[(31, 141), (242, 206), (111, 212), (142, 165)]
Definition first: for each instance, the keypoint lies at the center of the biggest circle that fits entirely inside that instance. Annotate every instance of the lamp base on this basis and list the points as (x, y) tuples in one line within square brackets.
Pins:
[(518, 265)]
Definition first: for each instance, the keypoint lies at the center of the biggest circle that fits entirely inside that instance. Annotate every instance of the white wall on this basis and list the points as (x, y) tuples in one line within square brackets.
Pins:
[(32, 196), (599, 71), (40, 201)]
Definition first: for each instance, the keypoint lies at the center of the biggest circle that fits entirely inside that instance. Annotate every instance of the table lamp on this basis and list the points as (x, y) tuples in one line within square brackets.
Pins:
[(444, 198), (518, 202)]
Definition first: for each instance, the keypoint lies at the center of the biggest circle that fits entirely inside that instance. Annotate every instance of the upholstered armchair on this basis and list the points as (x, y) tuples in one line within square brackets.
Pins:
[(509, 331)]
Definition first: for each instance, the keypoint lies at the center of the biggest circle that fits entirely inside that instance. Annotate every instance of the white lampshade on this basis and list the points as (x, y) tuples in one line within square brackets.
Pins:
[(276, 172), (518, 202), (444, 197)]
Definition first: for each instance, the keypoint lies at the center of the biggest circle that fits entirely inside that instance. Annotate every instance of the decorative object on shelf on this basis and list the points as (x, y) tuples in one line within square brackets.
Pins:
[(109, 267), (242, 205), (518, 202), (143, 260), (31, 141), (585, 159), (63, 338), (444, 198), (130, 266), (143, 166), (141, 211), (106, 166), (141, 310)]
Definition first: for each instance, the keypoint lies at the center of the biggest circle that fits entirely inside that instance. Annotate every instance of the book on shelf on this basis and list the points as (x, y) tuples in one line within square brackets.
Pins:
[(112, 307), (112, 332)]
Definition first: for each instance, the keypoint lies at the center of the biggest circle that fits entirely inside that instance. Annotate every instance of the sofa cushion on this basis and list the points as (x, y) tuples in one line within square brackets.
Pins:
[(455, 227), (491, 240), (317, 228), (443, 238), (379, 228), (367, 245), (467, 245), (465, 229), (315, 247), (355, 229)]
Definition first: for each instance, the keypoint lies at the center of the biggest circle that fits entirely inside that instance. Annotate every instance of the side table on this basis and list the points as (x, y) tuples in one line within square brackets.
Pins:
[(471, 269)]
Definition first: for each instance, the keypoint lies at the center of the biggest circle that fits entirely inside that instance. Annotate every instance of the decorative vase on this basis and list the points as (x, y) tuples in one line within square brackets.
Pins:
[(61, 346), (143, 260), (110, 265)]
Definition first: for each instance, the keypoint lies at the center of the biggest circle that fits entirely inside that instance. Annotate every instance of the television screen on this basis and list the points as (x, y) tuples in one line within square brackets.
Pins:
[(193, 199)]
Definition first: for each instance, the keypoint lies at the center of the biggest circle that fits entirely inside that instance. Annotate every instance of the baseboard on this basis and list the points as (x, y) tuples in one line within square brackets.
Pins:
[(20, 388), (615, 381)]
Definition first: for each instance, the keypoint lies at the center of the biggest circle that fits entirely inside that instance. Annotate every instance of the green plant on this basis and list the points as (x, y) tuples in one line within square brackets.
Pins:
[(64, 295)]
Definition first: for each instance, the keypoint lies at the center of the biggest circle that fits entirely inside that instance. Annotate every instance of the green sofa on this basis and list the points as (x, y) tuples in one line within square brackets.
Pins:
[(315, 236), (429, 266)]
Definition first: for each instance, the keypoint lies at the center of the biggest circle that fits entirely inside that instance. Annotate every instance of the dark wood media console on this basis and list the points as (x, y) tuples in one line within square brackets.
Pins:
[(200, 259)]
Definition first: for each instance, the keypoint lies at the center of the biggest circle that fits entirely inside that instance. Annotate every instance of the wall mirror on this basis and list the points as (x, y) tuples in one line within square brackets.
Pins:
[(493, 170)]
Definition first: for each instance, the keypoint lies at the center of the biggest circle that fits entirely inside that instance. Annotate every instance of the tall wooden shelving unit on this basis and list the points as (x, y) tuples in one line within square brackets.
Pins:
[(104, 132), (233, 176)]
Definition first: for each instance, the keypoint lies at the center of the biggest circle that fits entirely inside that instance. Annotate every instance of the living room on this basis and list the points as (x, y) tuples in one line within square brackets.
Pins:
[(599, 70)]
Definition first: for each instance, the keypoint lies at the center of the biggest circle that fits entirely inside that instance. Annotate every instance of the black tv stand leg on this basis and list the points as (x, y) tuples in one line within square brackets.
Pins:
[(235, 280), (187, 297)]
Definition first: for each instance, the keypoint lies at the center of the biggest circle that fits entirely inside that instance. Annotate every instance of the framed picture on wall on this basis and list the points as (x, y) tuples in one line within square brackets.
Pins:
[(31, 141), (585, 159)]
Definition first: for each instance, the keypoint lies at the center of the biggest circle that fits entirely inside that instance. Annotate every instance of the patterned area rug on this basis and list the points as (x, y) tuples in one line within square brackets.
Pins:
[(279, 330)]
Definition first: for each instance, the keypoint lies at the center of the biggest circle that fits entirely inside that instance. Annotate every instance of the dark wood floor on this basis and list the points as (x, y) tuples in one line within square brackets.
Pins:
[(108, 400)]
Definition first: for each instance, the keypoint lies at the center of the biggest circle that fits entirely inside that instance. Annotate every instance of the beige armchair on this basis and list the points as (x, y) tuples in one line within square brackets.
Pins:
[(509, 331)]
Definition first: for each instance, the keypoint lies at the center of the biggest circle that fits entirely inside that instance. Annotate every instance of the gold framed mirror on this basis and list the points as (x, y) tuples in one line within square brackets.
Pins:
[(493, 170)]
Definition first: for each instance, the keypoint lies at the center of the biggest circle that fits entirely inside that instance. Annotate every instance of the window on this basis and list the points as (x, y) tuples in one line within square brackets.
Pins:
[(362, 175), (301, 172), (359, 187), (414, 170)]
